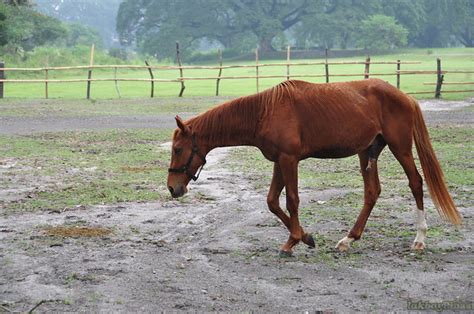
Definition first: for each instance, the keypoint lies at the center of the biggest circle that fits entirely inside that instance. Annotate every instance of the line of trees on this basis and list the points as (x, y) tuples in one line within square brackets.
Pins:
[(154, 25), (238, 26)]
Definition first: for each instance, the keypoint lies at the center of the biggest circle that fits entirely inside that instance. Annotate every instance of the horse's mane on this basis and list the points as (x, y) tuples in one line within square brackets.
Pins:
[(241, 114)]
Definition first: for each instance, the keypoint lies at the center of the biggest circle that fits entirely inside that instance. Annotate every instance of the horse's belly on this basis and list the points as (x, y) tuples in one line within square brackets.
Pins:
[(334, 152), (342, 145)]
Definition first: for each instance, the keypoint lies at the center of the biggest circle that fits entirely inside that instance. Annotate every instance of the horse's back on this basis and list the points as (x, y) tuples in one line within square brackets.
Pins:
[(334, 120)]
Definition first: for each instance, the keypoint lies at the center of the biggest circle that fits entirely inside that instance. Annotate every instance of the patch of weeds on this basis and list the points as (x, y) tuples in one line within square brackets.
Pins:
[(134, 229), (77, 232), (415, 255), (95, 297), (203, 197), (67, 302), (71, 278), (257, 252)]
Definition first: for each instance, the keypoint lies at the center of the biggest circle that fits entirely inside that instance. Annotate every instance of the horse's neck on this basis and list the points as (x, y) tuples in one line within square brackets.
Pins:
[(231, 124)]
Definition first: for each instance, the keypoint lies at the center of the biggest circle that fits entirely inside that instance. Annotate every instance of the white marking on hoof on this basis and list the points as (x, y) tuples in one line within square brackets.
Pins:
[(422, 227), (418, 246), (344, 244)]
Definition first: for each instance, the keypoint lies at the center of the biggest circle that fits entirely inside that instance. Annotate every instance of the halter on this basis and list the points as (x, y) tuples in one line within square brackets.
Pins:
[(185, 168)]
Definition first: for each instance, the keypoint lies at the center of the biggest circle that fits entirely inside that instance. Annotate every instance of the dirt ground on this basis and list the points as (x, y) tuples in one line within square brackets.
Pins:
[(217, 250)]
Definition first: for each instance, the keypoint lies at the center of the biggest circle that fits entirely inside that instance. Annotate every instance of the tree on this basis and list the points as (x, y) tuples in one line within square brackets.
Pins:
[(24, 28), (151, 24), (268, 18), (409, 13), (381, 32), (79, 34), (465, 26), (334, 22), (18, 3), (444, 20), (3, 25), (154, 25)]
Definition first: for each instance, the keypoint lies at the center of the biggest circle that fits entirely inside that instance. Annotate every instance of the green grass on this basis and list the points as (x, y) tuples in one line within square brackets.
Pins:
[(452, 59), (71, 169)]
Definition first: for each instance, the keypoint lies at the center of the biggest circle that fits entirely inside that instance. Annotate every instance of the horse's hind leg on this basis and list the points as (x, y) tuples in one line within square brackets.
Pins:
[(273, 201), (372, 191), (405, 157)]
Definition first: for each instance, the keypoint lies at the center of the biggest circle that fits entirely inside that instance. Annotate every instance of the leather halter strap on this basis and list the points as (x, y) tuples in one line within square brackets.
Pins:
[(185, 168)]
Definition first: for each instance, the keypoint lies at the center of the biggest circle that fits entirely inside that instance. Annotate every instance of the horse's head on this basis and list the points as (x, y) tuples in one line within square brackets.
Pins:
[(187, 157)]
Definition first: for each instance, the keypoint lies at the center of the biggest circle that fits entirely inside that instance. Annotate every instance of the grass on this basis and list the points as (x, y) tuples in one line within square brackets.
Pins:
[(452, 59), (70, 169)]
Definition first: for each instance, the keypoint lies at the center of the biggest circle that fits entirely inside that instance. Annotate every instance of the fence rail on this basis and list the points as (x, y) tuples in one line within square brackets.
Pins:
[(181, 78)]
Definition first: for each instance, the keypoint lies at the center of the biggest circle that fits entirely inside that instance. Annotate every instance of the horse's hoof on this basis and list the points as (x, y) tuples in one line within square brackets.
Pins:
[(309, 241), (285, 254), (418, 246), (343, 245)]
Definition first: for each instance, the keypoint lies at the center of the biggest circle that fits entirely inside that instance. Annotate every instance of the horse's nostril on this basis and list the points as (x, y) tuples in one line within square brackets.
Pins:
[(171, 189)]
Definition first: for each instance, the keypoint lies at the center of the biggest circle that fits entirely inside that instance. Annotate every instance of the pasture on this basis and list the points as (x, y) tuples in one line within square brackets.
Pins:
[(87, 223), (452, 59)]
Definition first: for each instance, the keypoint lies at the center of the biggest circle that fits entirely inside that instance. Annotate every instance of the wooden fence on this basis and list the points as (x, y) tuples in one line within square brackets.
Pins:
[(181, 69)]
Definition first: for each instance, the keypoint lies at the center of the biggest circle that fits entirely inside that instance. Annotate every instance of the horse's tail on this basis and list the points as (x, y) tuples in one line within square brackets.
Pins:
[(432, 171)]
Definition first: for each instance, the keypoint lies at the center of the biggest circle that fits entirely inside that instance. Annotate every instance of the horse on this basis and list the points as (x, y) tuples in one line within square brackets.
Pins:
[(295, 120)]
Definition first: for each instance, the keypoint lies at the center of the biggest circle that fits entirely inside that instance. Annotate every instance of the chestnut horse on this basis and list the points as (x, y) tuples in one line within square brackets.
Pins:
[(296, 120)]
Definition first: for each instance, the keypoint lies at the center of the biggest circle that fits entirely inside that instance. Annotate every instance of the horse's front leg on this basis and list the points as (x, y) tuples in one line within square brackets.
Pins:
[(289, 172), (273, 201)]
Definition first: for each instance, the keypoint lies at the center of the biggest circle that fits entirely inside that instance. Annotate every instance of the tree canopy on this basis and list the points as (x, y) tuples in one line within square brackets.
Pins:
[(23, 28), (154, 25)]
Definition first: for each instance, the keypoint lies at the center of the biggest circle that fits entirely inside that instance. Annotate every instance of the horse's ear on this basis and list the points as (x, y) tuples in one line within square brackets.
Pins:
[(182, 126)]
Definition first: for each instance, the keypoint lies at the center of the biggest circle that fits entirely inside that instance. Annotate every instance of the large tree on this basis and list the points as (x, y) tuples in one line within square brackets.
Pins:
[(153, 23)]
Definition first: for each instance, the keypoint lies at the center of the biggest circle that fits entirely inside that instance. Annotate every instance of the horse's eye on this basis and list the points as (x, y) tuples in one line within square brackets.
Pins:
[(178, 151)]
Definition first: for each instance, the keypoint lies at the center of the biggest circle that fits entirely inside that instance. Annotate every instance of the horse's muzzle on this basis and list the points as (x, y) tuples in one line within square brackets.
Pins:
[(178, 191)]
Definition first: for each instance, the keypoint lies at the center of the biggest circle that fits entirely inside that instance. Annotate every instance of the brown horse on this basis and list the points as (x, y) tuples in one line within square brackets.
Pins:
[(296, 120)]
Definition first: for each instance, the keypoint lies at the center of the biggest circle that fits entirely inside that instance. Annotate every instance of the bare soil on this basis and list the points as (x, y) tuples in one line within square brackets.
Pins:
[(217, 249)]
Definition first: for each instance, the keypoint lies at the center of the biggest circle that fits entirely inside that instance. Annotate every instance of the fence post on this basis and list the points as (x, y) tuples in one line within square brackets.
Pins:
[(326, 65), (256, 67), (178, 59), (367, 67), (46, 82), (398, 74), (288, 56), (116, 83), (152, 94), (439, 79), (219, 58), (89, 75), (2, 77)]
